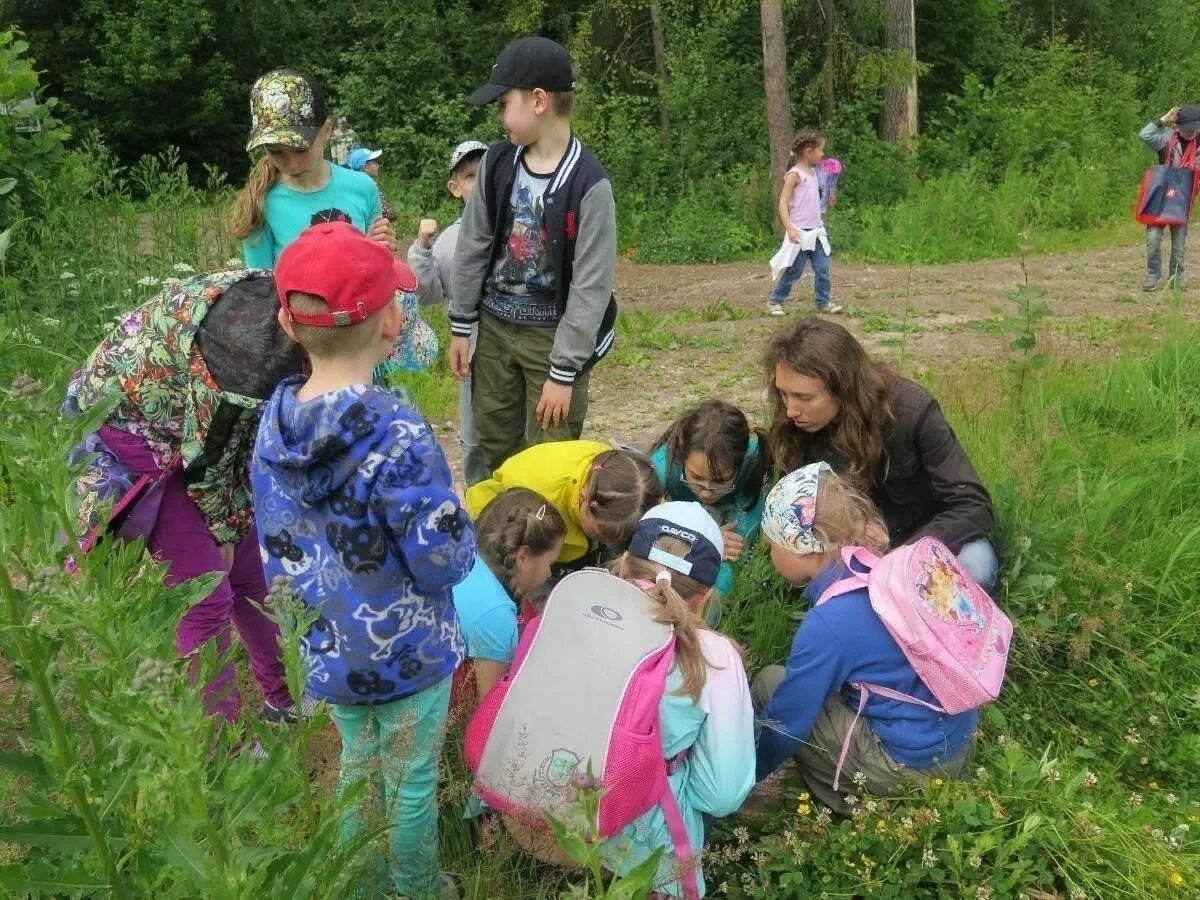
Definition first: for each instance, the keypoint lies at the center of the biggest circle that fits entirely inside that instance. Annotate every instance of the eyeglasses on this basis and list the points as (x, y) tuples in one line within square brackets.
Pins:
[(717, 489)]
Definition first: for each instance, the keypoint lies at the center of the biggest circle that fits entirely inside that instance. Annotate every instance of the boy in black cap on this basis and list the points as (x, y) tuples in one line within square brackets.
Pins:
[(535, 261), (1173, 136)]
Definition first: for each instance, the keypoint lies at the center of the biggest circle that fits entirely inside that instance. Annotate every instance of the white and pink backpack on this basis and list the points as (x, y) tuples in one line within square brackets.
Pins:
[(951, 632), (583, 690)]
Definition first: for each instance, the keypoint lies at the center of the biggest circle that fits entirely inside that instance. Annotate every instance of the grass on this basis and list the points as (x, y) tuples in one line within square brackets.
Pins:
[(1087, 783)]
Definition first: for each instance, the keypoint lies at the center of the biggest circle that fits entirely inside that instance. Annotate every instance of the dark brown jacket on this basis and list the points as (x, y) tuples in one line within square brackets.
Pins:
[(926, 485)]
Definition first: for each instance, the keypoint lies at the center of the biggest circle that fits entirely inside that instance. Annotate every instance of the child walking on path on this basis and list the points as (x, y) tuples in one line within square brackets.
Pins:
[(357, 510), (1173, 136), (712, 456), (535, 262), (808, 707), (800, 212), (433, 261)]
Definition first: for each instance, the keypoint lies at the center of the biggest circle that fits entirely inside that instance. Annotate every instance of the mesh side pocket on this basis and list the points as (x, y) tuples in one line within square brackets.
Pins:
[(633, 777), (479, 728)]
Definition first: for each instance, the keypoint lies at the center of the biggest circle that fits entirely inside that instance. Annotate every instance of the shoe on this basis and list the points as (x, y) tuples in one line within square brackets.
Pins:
[(1176, 283), (286, 715), (1150, 283), (831, 310), (776, 309)]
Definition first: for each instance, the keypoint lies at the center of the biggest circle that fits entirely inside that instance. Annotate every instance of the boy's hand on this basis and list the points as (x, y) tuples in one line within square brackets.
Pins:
[(459, 357), (1171, 116), (793, 234), (425, 232), (381, 230), (734, 543), (552, 408)]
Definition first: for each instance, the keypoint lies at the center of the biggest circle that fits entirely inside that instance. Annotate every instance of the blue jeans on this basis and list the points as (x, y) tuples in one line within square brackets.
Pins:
[(1154, 236), (979, 558), (820, 266), (395, 747)]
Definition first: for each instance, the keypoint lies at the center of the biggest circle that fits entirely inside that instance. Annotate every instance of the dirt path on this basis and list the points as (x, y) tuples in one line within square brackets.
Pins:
[(698, 330)]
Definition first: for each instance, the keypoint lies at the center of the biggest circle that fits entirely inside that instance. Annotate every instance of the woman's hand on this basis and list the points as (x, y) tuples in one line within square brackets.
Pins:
[(734, 543)]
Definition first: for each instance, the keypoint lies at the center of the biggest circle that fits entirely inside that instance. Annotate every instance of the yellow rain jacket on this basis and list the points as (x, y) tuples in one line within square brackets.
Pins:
[(557, 470)]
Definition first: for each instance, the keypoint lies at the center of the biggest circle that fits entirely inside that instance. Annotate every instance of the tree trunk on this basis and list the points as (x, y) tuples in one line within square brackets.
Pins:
[(660, 66), (829, 68), (899, 122), (775, 81)]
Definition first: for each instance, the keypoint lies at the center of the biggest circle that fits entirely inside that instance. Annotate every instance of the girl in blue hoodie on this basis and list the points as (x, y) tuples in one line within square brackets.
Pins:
[(809, 706)]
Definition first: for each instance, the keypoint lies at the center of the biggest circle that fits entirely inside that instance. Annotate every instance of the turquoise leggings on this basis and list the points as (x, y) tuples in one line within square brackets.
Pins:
[(398, 744)]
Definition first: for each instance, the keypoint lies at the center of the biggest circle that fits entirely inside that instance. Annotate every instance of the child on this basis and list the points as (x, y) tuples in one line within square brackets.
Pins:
[(1173, 137), (809, 706), (356, 510), (292, 186), (363, 160), (433, 262), (711, 455), (537, 254), (344, 140), (705, 718), (800, 211), (191, 369), (519, 536), (599, 492)]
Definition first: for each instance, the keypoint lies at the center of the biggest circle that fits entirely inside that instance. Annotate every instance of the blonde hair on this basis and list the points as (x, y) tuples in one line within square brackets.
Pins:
[(336, 341), (674, 609), (248, 213), (620, 488), (845, 516)]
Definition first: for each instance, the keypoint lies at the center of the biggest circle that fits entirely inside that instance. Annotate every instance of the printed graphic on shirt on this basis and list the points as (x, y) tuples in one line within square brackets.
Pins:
[(330, 215), (523, 277)]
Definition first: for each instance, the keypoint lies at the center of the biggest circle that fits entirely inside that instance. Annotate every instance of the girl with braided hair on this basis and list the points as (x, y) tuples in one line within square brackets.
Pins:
[(518, 537), (600, 492)]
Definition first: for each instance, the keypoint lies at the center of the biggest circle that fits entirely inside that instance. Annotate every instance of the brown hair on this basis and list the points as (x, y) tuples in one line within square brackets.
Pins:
[(561, 102), (827, 352), (672, 597), (248, 213), (516, 518), (340, 340), (721, 432), (844, 515), (805, 139), (621, 487)]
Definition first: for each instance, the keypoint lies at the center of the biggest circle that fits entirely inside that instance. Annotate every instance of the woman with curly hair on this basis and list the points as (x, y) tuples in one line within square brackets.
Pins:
[(883, 433)]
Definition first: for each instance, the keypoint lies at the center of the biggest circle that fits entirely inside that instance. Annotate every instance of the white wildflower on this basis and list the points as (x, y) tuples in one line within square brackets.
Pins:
[(1135, 799), (234, 262), (1090, 779), (50, 322), (147, 281), (183, 268), (66, 276), (928, 858), (859, 778)]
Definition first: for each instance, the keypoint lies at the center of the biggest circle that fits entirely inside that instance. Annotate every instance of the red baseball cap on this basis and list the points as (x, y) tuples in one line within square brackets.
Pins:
[(355, 275)]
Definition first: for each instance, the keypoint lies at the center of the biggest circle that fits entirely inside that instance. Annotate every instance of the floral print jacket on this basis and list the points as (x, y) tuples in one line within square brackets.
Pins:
[(194, 412)]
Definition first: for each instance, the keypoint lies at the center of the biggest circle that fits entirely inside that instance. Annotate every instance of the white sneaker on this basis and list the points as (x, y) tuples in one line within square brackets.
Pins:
[(776, 309), (832, 309)]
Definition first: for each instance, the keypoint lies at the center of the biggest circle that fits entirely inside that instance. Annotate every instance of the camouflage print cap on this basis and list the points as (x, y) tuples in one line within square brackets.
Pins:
[(286, 108)]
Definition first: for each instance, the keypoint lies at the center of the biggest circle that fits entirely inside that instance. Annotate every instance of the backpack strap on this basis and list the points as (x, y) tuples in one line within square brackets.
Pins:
[(865, 689), (861, 555), (685, 859)]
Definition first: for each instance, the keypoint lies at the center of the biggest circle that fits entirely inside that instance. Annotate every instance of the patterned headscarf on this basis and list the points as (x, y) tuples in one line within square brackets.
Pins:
[(791, 509)]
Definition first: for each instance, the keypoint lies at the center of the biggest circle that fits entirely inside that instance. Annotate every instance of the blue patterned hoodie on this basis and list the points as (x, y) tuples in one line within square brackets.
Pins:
[(354, 504)]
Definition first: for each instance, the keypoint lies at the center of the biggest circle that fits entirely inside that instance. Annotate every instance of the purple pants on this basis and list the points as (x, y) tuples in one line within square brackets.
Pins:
[(181, 540)]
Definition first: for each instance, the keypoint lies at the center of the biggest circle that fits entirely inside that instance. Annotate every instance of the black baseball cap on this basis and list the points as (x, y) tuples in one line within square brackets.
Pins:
[(528, 63)]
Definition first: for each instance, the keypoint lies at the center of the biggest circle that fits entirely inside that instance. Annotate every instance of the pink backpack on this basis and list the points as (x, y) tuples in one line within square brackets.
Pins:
[(951, 632), (584, 688)]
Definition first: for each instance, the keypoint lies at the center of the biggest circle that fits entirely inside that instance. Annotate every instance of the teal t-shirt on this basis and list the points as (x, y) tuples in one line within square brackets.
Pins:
[(347, 196), (486, 614)]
